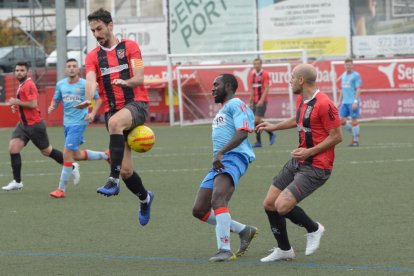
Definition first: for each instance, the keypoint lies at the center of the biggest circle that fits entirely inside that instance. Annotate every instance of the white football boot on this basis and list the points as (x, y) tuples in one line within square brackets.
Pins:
[(313, 240), (279, 255), (13, 185)]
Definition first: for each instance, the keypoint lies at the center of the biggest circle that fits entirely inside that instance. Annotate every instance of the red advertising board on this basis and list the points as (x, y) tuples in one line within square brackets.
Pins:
[(387, 90), (387, 87)]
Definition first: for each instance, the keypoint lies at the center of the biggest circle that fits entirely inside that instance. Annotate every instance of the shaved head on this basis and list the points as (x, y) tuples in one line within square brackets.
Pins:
[(307, 71)]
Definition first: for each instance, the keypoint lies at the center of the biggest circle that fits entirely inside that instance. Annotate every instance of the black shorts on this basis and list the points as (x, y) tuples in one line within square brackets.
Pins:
[(36, 133), (259, 110), (139, 113), (301, 179)]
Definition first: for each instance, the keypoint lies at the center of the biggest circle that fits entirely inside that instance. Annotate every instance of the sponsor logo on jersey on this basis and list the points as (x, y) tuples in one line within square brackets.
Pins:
[(115, 69), (219, 120)]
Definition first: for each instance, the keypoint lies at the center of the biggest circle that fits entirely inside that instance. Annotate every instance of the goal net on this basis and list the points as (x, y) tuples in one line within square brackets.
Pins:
[(195, 74)]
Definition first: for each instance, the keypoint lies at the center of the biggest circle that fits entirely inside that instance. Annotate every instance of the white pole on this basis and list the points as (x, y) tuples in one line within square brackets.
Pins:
[(180, 97), (170, 90), (291, 99)]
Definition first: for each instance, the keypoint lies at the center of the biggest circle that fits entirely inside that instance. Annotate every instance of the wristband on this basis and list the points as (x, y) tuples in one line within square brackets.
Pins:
[(355, 101)]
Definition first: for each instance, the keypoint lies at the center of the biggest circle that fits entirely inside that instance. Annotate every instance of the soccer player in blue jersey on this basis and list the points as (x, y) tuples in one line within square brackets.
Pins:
[(71, 91), (350, 101), (232, 154)]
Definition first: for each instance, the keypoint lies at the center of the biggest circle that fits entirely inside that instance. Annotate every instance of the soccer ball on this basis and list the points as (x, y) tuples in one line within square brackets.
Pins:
[(141, 139)]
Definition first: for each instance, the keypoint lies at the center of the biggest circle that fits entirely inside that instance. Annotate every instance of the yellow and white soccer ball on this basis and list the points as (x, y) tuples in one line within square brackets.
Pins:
[(141, 139)]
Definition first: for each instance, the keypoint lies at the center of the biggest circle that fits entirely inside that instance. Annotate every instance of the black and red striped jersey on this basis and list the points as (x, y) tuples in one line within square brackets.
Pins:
[(116, 63)]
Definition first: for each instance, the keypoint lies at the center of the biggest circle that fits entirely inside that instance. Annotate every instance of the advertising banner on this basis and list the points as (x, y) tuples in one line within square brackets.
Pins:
[(151, 37), (387, 88), (382, 28), (212, 26), (142, 21), (318, 26)]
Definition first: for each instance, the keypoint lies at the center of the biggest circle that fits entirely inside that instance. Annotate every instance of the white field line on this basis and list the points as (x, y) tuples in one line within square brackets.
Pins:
[(207, 168), (208, 152)]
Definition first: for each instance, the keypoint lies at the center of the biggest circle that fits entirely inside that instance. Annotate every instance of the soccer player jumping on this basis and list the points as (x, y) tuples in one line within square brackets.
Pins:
[(118, 69), (232, 155)]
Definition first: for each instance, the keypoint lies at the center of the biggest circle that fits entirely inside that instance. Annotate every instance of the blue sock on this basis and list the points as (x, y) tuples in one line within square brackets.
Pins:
[(235, 226), (355, 132), (95, 155), (64, 176), (223, 220)]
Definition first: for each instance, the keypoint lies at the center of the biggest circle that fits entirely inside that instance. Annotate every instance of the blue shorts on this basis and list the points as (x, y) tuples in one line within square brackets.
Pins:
[(234, 164), (346, 111), (74, 136)]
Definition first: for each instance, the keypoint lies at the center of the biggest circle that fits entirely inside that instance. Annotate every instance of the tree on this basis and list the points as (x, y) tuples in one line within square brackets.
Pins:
[(11, 33)]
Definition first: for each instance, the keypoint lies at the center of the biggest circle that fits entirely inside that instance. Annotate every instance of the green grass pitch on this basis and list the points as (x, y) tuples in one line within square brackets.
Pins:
[(366, 206)]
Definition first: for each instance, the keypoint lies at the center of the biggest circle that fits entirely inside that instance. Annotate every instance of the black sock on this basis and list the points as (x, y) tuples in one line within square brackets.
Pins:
[(56, 155), (299, 217), (258, 138), (134, 184), (270, 133), (16, 164), (278, 227), (116, 148)]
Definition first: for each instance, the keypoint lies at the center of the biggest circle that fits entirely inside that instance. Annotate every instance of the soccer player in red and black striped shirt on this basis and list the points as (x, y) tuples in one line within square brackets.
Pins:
[(30, 127), (318, 124), (118, 69), (259, 83)]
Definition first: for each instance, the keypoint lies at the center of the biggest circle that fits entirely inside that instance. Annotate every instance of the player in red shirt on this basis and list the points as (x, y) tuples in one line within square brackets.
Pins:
[(319, 129), (259, 83), (118, 69), (30, 127)]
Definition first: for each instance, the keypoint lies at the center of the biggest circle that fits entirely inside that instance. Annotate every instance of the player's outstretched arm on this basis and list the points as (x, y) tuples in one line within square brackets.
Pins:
[(287, 124), (90, 89), (91, 116)]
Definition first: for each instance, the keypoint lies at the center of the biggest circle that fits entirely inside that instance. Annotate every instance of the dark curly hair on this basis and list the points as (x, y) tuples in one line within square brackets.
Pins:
[(229, 78), (102, 15)]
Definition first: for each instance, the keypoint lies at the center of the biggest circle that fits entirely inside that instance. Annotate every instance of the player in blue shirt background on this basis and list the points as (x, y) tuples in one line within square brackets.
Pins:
[(232, 154), (350, 101), (71, 91)]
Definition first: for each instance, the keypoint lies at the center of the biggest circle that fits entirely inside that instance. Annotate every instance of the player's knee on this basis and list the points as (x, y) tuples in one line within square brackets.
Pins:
[(282, 209), (269, 205), (115, 126), (46, 151), (198, 213), (218, 203), (126, 173)]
